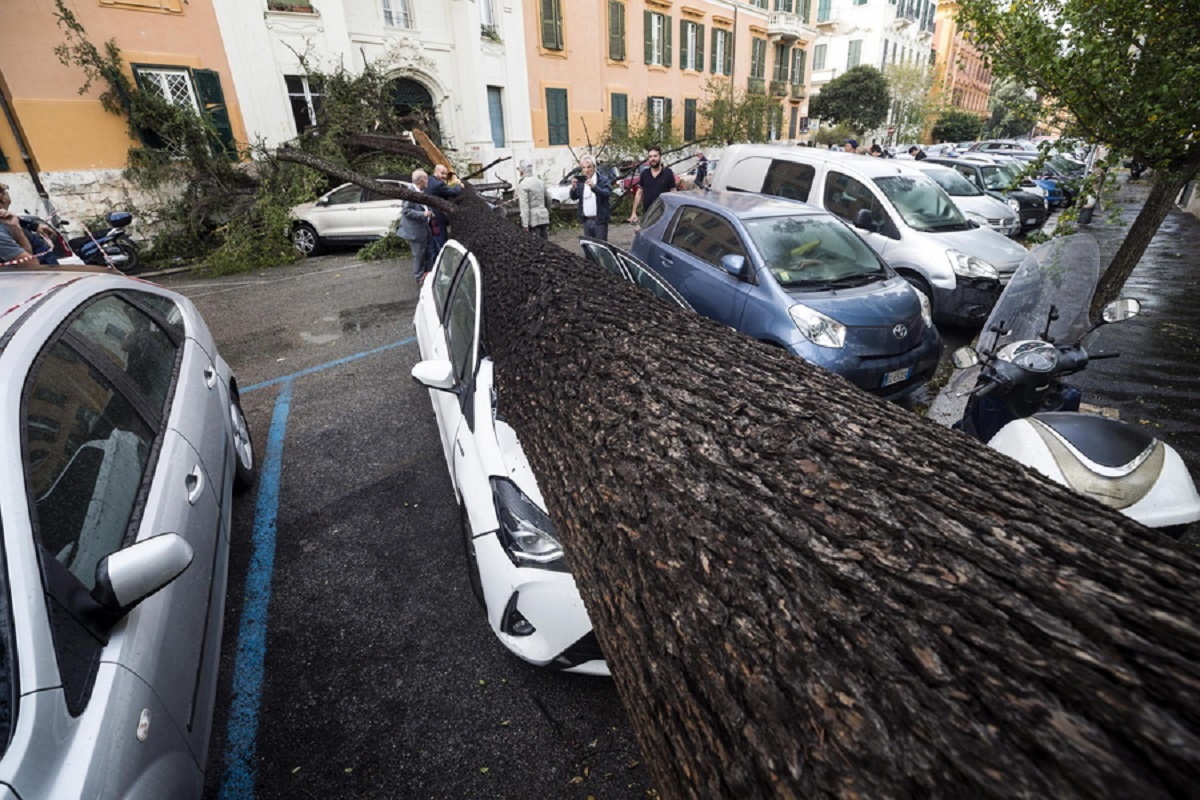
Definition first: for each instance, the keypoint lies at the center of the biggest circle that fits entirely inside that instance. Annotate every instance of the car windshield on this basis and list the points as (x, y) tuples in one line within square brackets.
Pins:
[(997, 177), (922, 204), (813, 250), (954, 184)]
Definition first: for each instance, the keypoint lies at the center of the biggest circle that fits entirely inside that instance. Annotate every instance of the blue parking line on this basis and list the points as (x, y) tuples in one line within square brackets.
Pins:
[(242, 729), (328, 364)]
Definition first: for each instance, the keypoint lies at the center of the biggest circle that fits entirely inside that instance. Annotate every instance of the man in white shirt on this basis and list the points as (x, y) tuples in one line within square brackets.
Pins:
[(594, 193)]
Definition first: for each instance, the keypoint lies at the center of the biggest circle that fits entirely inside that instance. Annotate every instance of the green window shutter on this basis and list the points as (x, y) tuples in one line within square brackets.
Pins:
[(558, 127), (800, 65), (621, 6), (667, 114), (729, 54), (683, 30), (699, 65), (616, 30), (551, 25), (620, 109), (666, 41), (648, 23), (212, 101), (712, 59)]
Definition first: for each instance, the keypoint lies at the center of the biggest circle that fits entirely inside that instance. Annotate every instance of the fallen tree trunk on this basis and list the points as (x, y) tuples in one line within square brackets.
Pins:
[(805, 591)]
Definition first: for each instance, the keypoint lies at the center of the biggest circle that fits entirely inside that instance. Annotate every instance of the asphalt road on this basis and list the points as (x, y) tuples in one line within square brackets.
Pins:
[(356, 661)]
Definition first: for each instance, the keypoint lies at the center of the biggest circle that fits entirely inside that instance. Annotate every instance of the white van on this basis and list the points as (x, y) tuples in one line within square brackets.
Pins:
[(906, 217)]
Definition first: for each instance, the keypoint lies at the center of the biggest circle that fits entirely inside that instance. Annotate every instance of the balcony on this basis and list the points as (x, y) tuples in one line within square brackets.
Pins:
[(756, 85), (904, 19), (798, 92), (782, 26), (779, 88)]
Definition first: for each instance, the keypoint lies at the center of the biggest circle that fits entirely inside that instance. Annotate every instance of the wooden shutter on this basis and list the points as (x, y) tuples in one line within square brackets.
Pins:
[(666, 41), (648, 24), (212, 101), (683, 29), (616, 30), (666, 114), (699, 65), (551, 25), (712, 61), (729, 53)]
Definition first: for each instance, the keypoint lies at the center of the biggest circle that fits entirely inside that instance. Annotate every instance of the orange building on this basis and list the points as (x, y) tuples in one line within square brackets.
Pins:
[(963, 80), (649, 60), (61, 149)]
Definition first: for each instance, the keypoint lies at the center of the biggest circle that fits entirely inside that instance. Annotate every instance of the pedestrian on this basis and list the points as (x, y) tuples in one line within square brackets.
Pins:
[(701, 171), (37, 236), (415, 227), (594, 194), (440, 185), (652, 182), (15, 250), (876, 151), (917, 153), (533, 201), (850, 146)]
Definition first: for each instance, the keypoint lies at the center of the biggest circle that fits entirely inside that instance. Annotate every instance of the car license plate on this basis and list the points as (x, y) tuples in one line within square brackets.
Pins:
[(895, 376), (1031, 221)]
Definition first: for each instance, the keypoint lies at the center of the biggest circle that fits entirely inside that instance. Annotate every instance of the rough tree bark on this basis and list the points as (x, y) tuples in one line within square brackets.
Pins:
[(804, 591)]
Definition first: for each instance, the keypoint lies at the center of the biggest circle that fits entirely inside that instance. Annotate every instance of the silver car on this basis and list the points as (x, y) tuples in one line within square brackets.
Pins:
[(122, 443), (976, 204)]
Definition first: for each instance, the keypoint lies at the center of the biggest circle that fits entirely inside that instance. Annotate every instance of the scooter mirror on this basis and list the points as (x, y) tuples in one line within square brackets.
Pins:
[(965, 357), (1121, 309)]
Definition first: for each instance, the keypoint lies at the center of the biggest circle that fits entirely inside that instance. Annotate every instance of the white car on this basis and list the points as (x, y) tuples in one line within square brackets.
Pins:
[(975, 203), (348, 215), (515, 562)]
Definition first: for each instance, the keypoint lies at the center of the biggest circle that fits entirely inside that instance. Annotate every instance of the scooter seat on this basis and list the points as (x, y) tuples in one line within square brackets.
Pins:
[(1105, 441)]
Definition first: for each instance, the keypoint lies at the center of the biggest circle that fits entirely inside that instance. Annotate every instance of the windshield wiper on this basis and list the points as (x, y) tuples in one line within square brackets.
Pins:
[(861, 279)]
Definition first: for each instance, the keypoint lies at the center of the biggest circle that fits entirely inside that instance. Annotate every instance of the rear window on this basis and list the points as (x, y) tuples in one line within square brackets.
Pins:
[(789, 179)]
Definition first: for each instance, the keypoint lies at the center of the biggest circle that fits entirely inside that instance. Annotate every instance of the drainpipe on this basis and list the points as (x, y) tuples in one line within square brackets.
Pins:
[(21, 146)]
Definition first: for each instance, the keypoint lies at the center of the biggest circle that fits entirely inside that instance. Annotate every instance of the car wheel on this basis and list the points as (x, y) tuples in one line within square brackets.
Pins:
[(132, 257), (472, 562), (920, 284), (305, 238), (245, 469)]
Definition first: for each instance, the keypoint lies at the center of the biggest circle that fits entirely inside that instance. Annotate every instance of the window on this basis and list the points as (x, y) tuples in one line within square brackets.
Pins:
[(155, 5), (798, 65), (783, 5), (883, 61), (819, 56), (782, 62), (556, 116), (658, 112), (552, 27), (823, 10), (758, 58), (616, 30), (172, 85), (198, 89), (691, 46), (343, 195), (305, 96), (722, 52), (792, 122), (397, 14), (495, 97), (706, 236), (462, 318), (854, 57), (789, 179), (443, 276), (620, 111), (689, 120), (658, 39), (845, 197), (488, 24)]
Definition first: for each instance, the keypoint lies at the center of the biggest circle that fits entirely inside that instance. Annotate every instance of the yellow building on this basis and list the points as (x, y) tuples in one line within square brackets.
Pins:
[(60, 148), (963, 80), (650, 60)]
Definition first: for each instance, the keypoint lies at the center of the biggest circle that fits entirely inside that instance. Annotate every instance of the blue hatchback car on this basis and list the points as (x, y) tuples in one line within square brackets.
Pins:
[(795, 276)]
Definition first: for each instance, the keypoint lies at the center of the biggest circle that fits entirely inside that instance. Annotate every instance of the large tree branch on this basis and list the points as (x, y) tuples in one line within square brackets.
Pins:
[(350, 176)]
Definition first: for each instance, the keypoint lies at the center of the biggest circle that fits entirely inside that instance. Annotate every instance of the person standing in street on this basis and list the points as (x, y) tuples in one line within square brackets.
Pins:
[(414, 228), (531, 197), (916, 152), (701, 171), (440, 185), (654, 180), (594, 195)]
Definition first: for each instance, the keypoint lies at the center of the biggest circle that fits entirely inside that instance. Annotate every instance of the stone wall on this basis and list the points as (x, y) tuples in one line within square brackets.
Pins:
[(86, 196)]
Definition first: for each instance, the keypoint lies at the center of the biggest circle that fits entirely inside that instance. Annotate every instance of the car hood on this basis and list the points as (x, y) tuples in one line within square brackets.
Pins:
[(989, 207), (998, 250), (303, 208), (884, 303)]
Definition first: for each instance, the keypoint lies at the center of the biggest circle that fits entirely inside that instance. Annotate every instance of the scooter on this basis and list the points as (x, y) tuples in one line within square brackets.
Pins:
[(113, 248), (1019, 405)]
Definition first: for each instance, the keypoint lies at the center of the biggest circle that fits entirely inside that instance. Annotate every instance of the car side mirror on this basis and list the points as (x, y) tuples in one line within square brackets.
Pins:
[(130, 575), (864, 219), (965, 357), (324, 201), (735, 265), (435, 374)]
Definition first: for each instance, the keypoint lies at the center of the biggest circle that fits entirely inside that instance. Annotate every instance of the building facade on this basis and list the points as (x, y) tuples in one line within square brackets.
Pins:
[(655, 61), (60, 149), (461, 63), (964, 81)]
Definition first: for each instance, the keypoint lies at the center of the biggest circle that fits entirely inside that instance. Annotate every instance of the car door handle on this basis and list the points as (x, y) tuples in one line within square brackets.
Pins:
[(195, 484), (667, 260), (210, 376)]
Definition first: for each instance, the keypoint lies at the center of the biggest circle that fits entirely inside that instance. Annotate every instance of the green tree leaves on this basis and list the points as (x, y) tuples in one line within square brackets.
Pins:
[(859, 98)]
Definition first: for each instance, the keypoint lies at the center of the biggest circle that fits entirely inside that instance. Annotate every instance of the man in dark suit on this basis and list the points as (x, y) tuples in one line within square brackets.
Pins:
[(593, 193), (440, 223)]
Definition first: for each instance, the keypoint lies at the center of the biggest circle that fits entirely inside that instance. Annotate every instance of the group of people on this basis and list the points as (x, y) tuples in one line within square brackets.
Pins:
[(877, 151), (22, 243), (425, 228)]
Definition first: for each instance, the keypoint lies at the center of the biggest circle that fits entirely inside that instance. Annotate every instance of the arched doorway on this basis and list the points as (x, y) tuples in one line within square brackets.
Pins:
[(414, 108)]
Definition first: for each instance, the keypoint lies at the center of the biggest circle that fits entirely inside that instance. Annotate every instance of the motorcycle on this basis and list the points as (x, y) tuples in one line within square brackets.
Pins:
[(112, 248), (1034, 337)]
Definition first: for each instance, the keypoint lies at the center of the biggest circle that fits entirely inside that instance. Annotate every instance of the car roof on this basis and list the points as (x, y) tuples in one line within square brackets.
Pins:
[(743, 205), (21, 289), (866, 166)]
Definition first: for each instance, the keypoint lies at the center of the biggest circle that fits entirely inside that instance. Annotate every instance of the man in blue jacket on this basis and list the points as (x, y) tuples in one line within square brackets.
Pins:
[(439, 186), (593, 192)]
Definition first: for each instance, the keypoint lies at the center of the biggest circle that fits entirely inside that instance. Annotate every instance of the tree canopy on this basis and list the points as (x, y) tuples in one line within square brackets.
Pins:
[(858, 97), (1013, 111), (957, 126), (909, 86)]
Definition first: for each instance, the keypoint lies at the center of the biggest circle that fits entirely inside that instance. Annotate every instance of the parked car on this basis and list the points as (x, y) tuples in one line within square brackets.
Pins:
[(975, 203), (347, 215), (1029, 206), (1017, 173), (905, 217), (1002, 146), (515, 563), (795, 277), (124, 445), (560, 193)]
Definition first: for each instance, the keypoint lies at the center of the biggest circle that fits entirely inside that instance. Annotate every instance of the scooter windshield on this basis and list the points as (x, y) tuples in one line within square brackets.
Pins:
[(1060, 275)]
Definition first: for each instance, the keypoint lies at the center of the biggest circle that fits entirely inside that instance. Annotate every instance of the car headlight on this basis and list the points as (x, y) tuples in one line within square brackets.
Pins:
[(970, 266), (975, 216), (1014, 204), (526, 531), (818, 328), (926, 309)]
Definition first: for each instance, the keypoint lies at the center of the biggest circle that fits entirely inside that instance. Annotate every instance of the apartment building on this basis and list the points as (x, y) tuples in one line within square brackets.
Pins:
[(62, 149), (963, 80), (637, 61)]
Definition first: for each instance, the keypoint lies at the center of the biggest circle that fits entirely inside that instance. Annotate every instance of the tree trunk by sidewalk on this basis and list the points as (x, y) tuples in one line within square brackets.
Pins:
[(805, 591), (1163, 191)]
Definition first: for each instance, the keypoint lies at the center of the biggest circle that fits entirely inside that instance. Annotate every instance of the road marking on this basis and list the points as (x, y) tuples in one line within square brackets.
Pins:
[(250, 660)]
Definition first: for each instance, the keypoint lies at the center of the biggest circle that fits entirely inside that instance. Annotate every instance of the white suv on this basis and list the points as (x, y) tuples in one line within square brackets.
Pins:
[(348, 215)]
